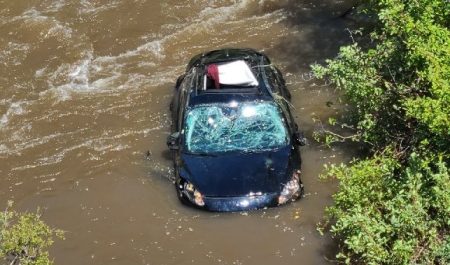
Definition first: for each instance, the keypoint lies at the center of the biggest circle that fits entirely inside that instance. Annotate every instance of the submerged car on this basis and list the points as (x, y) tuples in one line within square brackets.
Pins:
[(234, 140)]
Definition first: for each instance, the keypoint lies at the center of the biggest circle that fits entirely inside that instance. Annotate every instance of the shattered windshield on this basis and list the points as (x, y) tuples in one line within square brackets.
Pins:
[(248, 127)]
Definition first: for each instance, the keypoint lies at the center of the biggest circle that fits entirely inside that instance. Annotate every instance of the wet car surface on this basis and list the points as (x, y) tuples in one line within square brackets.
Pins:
[(234, 140)]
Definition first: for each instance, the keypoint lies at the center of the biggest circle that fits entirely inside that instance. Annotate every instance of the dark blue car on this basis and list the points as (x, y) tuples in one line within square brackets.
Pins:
[(234, 140)]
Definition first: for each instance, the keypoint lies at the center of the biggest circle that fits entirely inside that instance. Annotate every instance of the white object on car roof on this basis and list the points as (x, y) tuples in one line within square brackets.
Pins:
[(236, 73)]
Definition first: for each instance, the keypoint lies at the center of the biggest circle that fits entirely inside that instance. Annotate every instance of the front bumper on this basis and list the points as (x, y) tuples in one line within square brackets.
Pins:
[(244, 203)]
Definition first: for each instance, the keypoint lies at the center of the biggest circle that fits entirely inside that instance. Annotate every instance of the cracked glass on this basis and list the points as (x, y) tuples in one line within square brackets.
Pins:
[(246, 127)]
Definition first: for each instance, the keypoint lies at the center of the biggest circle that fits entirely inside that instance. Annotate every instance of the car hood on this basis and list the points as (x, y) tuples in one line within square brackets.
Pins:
[(237, 174)]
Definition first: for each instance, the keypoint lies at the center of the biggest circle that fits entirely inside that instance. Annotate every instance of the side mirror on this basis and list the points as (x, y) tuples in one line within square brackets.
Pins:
[(299, 138), (173, 141)]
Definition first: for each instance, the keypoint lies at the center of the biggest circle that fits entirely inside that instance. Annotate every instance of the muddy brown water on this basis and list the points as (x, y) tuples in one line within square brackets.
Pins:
[(84, 92)]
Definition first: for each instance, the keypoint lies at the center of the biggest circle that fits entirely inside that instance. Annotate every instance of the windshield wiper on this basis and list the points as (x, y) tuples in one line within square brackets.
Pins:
[(202, 154)]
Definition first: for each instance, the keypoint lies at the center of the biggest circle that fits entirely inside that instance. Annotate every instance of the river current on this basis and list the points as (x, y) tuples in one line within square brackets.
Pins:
[(84, 94)]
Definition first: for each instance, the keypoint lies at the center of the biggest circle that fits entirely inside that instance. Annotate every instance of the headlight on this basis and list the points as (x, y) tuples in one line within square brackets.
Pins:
[(292, 189), (191, 193)]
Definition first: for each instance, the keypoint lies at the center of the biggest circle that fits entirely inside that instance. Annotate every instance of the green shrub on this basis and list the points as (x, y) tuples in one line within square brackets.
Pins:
[(24, 238), (393, 207), (386, 213)]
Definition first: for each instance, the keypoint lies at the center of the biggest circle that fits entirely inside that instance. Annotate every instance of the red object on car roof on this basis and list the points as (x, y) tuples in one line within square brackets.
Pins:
[(213, 73)]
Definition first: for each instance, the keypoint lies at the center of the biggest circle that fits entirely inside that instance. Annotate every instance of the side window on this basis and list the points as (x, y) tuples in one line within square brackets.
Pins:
[(197, 78), (288, 116), (183, 91), (181, 100), (273, 83), (176, 93), (281, 83)]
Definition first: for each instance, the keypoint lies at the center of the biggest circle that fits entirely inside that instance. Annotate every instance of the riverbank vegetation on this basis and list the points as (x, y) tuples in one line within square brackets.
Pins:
[(393, 205), (24, 238)]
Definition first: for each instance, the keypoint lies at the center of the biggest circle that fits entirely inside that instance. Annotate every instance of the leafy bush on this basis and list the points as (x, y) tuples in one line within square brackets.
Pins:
[(387, 213), (393, 207), (400, 86), (24, 238)]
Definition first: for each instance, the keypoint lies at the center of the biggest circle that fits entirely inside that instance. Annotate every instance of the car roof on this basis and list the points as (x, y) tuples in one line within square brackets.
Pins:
[(254, 59), (210, 98), (228, 54), (231, 59)]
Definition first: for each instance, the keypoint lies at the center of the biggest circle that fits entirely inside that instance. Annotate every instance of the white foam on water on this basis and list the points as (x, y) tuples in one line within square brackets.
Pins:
[(14, 53), (40, 72), (102, 145), (62, 32), (20, 143), (4, 149), (207, 17), (79, 74), (275, 17), (106, 73), (154, 48), (53, 159), (31, 15), (102, 75), (69, 77), (52, 6), (35, 19), (217, 14), (37, 25), (88, 7), (15, 108), (107, 82)]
